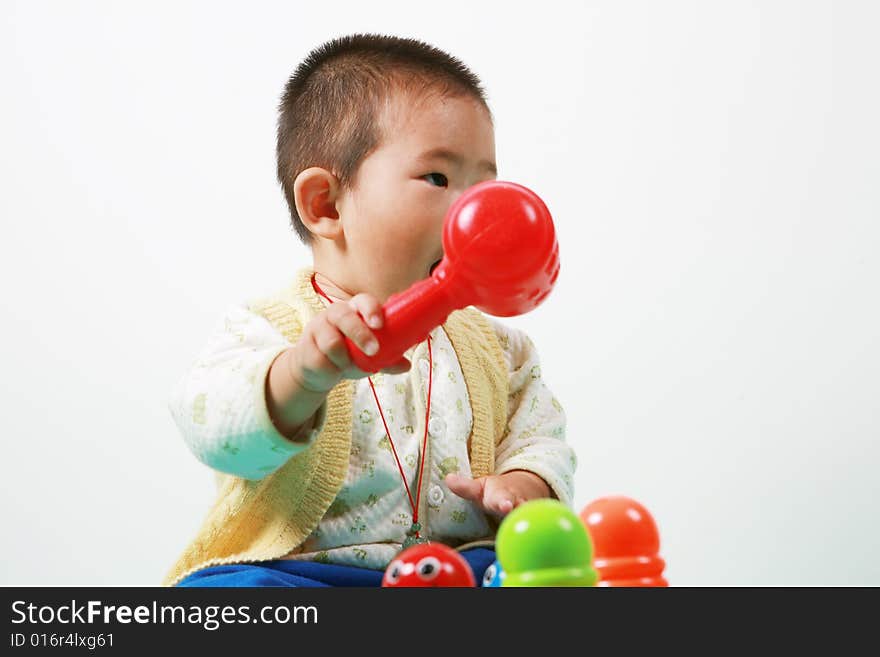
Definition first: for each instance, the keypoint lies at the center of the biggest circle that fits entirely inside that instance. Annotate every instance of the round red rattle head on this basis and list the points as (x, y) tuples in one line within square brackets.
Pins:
[(500, 248), (500, 255), (428, 564)]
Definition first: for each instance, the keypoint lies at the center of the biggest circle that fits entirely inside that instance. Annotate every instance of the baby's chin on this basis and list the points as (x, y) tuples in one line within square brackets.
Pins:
[(420, 275)]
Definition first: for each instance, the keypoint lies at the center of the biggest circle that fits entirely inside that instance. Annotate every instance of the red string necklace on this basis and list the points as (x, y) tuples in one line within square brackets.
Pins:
[(412, 536)]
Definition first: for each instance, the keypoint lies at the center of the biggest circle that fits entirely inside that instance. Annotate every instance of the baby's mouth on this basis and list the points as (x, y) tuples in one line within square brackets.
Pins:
[(434, 266)]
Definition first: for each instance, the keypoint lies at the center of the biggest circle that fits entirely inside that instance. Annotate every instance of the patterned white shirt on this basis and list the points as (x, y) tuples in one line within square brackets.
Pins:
[(220, 408)]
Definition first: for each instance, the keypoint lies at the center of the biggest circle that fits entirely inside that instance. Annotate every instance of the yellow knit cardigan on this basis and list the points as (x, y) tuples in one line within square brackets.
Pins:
[(260, 520)]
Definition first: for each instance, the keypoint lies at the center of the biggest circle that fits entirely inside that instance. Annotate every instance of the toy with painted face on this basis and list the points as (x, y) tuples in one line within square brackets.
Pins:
[(428, 564), (494, 575), (544, 543)]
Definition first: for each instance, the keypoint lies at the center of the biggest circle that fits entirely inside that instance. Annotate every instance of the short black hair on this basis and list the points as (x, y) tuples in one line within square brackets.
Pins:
[(329, 112)]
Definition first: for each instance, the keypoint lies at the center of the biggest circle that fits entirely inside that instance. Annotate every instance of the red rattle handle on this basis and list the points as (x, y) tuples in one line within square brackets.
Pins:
[(500, 255)]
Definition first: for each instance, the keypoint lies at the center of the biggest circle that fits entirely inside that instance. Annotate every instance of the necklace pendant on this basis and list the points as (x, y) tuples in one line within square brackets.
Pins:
[(413, 540), (412, 536)]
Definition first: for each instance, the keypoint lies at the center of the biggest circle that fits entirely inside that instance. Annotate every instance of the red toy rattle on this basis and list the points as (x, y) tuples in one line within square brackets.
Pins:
[(500, 255)]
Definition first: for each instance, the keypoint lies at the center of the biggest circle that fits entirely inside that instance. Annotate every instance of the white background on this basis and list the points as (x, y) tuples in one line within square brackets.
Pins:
[(713, 172)]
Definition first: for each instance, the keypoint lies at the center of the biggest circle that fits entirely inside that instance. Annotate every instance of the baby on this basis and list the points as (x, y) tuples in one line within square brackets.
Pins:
[(326, 473)]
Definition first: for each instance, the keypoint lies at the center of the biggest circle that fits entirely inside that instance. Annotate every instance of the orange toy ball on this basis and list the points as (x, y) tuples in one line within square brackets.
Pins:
[(626, 543)]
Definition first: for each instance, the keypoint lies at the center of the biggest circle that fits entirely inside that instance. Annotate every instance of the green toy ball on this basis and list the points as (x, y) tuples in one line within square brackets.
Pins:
[(544, 543)]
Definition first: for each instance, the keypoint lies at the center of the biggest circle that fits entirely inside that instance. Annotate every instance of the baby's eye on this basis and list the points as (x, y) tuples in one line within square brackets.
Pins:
[(437, 179)]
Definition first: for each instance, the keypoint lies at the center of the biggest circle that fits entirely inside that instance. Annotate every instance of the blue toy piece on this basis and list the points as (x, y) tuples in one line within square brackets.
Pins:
[(494, 575)]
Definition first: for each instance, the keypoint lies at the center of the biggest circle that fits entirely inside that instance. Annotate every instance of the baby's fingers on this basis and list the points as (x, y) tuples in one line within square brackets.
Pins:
[(469, 489), (369, 308), (329, 344), (352, 326), (501, 506), (499, 500)]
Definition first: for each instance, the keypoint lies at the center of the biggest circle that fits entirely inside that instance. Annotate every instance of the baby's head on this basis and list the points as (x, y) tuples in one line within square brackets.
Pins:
[(377, 137)]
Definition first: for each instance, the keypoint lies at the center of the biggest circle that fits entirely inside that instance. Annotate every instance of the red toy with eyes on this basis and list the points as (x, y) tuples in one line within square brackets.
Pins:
[(428, 564)]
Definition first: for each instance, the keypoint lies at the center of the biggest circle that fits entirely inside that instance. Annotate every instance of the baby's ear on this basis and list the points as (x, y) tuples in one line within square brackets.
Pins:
[(316, 192)]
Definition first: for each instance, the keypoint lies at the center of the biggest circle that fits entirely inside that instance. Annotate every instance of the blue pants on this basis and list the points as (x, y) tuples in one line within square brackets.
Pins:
[(286, 572)]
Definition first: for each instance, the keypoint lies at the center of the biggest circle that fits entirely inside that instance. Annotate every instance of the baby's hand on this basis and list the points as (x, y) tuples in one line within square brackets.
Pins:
[(499, 494), (321, 357)]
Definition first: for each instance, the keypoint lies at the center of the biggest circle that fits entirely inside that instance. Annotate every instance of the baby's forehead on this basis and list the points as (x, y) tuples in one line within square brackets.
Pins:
[(401, 106), (430, 115), (401, 103)]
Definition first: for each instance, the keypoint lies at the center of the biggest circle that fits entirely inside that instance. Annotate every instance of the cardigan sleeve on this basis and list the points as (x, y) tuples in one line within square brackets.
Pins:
[(219, 403), (535, 435)]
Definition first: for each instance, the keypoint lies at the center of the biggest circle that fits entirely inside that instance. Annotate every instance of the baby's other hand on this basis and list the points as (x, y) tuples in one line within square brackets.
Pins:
[(499, 494)]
